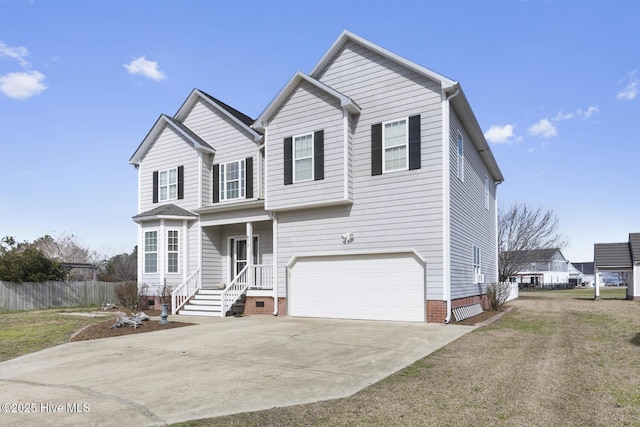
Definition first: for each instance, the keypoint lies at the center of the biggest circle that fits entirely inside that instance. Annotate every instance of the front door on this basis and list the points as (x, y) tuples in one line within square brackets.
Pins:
[(239, 254)]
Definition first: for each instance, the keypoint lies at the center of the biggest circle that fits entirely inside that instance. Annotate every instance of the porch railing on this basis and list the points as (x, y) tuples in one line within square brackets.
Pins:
[(186, 290), (232, 293), (259, 276)]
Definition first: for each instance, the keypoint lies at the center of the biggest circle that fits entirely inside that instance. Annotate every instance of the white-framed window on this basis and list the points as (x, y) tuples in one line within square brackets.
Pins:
[(477, 271), (150, 251), (303, 157), (460, 157), (173, 252), (486, 191), (168, 184), (232, 180), (395, 145)]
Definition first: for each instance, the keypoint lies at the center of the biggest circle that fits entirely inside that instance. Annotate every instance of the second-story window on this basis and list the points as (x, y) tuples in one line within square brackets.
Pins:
[(303, 157), (168, 184), (232, 180), (395, 142)]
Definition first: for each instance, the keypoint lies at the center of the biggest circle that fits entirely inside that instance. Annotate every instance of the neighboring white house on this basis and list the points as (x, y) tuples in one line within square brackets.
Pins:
[(542, 267), (364, 190), (581, 274)]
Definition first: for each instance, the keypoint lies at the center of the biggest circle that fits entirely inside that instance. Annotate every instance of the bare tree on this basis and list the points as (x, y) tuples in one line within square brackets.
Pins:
[(122, 267), (66, 248), (522, 229)]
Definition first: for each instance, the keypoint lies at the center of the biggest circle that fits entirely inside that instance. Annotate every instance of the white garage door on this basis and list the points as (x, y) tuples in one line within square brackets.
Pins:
[(376, 287)]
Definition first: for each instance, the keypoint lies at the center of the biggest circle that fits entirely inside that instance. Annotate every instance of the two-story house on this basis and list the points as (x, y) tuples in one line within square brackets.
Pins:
[(364, 190)]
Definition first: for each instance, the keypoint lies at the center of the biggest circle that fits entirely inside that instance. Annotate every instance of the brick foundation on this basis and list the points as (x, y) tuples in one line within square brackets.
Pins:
[(251, 305), (437, 310), (152, 302)]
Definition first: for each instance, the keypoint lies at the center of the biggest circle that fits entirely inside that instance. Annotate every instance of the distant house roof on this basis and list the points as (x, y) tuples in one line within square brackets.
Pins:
[(165, 211), (608, 256), (583, 267), (634, 243), (537, 255)]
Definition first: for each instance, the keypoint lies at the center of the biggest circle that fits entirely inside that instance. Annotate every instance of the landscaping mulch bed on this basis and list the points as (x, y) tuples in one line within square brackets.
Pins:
[(103, 329)]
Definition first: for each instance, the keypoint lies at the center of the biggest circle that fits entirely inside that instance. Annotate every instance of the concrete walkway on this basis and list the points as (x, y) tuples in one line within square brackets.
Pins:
[(220, 366)]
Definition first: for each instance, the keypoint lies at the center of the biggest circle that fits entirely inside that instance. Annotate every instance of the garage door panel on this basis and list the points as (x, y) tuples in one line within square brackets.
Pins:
[(377, 287)]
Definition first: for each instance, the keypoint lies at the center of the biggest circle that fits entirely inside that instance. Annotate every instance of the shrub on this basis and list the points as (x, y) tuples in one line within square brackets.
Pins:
[(498, 294), (127, 294)]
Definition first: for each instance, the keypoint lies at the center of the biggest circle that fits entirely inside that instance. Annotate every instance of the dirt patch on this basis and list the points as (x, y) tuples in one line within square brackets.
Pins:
[(104, 330)]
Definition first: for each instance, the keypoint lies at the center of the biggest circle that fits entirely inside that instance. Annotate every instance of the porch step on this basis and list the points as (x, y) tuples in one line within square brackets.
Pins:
[(207, 302)]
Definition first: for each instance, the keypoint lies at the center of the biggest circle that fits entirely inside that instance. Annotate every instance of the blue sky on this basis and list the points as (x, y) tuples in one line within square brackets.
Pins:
[(554, 84)]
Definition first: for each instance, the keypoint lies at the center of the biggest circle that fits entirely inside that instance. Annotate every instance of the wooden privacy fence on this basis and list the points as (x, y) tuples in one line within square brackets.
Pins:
[(35, 296)]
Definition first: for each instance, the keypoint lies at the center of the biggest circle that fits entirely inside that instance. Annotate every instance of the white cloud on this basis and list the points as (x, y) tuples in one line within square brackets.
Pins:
[(543, 128), (630, 91), (146, 68), (22, 85), (563, 116), (18, 53), (588, 112), (500, 134)]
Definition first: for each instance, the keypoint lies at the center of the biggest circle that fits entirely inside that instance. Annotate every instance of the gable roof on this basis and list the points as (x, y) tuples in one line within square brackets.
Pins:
[(165, 211), (348, 36), (298, 77), (538, 255), (451, 89), (634, 245), (160, 124), (612, 255), (236, 116), (583, 267)]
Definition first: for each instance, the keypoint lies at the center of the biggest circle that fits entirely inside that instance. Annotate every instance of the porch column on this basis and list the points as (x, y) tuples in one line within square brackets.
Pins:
[(249, 227), (596, 283)]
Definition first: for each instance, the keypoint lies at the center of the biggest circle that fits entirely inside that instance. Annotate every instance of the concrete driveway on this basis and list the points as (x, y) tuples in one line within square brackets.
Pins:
[(220, 366)]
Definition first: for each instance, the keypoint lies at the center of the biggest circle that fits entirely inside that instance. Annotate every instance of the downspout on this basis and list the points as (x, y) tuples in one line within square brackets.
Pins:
[(274, 232), (274, 272), (446, 267)]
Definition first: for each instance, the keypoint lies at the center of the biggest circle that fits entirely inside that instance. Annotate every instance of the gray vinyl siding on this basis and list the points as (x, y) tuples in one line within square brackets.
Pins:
[(308, 109), (211, 266), (230, 141), (170, 150), (471, 222), (398, 210), (216, 256)]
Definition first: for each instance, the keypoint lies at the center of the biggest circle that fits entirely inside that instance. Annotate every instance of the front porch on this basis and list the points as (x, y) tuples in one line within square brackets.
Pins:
[(236, 262)]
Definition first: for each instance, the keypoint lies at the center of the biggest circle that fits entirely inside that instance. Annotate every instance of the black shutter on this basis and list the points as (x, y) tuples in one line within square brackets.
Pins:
[(248, 167), (376, 149), (216, 183), (288, 161), (180, 182), (155, 186), (318, 155), (414, 142)]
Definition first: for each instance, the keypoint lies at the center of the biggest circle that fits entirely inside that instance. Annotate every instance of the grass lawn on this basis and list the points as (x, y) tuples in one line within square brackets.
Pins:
[(23, 332)]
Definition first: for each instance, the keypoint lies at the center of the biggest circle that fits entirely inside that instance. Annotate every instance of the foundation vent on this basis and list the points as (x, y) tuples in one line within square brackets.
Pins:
[(466, 311)]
